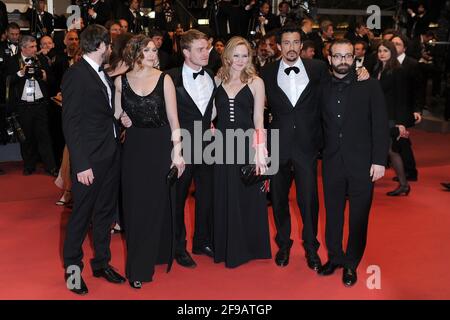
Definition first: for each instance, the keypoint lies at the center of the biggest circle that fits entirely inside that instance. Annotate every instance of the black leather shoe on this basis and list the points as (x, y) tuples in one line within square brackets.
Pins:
[(28, 171), (109, 274), (313, 261), (184, 259), (328, 268), (206, 250), (400, 191), (53, 172), (71, 285), (446, 185), (349, 277), (282, 257), (136, 284)]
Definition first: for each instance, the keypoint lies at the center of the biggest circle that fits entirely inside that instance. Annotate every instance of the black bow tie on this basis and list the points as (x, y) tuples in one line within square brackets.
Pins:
[(196, 74), (288, 70), (101, 68), (358, 59)]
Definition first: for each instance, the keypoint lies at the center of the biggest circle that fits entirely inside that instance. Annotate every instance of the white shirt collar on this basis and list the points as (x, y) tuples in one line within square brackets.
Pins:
[(92, 63), (298, 64), (189, 70), (24, 58), (401, 58)]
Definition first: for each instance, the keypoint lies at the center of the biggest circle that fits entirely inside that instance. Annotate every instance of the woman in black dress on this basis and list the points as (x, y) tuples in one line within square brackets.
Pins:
[(394, 84), (148, 97), (241, 229)]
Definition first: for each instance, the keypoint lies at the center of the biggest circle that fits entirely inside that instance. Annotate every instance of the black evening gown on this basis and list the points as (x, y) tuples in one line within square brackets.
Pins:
[(241, 227), (147, 204)]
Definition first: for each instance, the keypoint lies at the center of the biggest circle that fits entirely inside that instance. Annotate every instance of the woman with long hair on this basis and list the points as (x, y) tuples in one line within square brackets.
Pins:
[(394, 84), (241, 230), (148, 97)]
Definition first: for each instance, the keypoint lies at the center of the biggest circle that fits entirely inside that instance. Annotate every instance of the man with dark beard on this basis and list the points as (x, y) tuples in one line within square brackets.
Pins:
[(356, 143), (92, 139)]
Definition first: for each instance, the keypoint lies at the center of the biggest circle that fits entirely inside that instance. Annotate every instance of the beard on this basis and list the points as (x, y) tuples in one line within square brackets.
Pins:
[(288, 56), (342, 68), (105, 56)]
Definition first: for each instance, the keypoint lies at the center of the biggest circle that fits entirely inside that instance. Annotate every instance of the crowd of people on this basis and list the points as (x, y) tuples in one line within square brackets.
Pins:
[(104, 111)]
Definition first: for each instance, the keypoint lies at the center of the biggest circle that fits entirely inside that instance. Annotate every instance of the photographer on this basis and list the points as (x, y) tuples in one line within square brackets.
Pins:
[(41, 21), (28, 77)]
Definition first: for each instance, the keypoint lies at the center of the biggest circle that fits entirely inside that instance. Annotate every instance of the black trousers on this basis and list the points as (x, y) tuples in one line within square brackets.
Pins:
[(202, 175), (95, 203), (33, 119), (338, 183), (406, 152), (305, 175)]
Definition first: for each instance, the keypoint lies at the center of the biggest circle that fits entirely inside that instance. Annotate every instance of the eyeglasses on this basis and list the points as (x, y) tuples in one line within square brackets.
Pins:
[(339, 57)]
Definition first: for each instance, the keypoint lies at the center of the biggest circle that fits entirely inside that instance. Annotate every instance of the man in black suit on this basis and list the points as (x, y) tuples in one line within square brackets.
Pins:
[(418, 23), (164, 59), (292, 91), (41, 21), (91, 133), (326, 34), (133, 17), (356, 143), (195, 89), (99, 12), (28, 81), (414, 104), (360, 33)]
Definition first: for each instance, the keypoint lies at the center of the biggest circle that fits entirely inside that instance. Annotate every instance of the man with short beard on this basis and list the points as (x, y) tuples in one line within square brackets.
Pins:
[(356, 143), (91, 134)]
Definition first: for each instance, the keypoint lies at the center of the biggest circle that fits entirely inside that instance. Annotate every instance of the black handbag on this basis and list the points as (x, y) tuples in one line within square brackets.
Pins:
[(172, 176), (249, 176)]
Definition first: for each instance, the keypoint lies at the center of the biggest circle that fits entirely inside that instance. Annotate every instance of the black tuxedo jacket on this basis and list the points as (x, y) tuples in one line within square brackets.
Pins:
[(104, 13), (414, 98), (16, 83), (361, 138), (299, 126), (135, 25), (187, 109), (47, 22), (88, 119)]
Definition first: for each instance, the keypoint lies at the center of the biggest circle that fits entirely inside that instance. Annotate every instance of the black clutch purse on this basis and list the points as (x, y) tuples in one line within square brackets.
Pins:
[(172, 176), (249, 176)]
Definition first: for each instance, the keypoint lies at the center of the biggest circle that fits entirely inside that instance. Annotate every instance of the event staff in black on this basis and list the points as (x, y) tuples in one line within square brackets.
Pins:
[(195, 89), (91, 133), (292, 89), (41, 21), (28, 81), (356, 143), (413, 102)]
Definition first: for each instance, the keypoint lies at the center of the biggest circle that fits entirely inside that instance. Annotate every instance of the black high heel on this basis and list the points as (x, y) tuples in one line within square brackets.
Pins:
[(136, 284), (400, 191)]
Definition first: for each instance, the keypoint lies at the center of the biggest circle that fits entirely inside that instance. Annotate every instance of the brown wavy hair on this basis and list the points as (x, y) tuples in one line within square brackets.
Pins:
[(248, 72), (133, 53), (392, 63)]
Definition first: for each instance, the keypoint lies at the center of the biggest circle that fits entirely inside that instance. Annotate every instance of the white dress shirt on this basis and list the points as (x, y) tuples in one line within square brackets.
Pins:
[(359, 63), (31, 91), (401, 58), (101, 74), (294, 83), (200, 89)]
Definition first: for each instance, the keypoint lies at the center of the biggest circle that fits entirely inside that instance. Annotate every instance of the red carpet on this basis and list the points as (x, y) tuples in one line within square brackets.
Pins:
[(409, 239)]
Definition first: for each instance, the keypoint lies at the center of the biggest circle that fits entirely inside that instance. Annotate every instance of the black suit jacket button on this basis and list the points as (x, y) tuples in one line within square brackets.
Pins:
[(340, 135)]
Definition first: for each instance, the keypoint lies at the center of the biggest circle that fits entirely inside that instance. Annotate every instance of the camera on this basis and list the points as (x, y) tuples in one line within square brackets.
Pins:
[(14, 130), (33, 69)]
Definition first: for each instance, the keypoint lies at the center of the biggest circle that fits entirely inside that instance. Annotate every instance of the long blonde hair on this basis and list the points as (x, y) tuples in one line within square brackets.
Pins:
[(248, 72)]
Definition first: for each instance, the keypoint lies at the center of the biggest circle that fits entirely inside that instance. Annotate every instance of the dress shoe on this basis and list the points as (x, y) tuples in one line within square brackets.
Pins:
[(408, 177), (446, 185), (313, 261), (206, 250), (81, 290), (52, 172), (136, 284), (109, 274), (282, 257), (349, 277), (28, 171), (328, 268), (184, 259), (400, 191)]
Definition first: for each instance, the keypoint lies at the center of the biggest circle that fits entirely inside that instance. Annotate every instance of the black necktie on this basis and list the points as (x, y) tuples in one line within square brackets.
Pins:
[(196, 74), (288, 70)]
